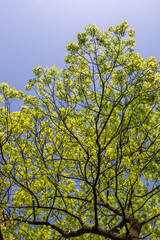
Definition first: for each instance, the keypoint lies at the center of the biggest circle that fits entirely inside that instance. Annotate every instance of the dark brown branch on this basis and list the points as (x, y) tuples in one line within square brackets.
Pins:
[(150, 219), (85, 229), (1, 236)]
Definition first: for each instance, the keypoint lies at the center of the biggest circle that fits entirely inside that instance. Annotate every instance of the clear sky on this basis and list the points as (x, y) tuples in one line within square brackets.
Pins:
[(35, 32)]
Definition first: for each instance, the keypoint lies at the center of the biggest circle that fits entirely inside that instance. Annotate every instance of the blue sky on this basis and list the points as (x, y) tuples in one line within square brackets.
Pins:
[(35, 32)]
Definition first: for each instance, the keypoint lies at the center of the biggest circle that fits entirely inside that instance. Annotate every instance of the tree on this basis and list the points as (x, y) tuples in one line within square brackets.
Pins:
[(81, 158)]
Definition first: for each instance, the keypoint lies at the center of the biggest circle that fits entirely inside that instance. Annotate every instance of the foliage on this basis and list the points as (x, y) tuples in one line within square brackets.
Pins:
[(81, 158)]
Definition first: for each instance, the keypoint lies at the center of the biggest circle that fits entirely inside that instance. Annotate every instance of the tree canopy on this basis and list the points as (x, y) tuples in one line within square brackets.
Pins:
[(81, 158)]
